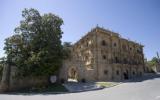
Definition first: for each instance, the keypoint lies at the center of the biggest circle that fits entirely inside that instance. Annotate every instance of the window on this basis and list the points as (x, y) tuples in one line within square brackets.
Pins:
[(105, 72), (117, 72), (87, 44), (139, 51), (86, 57), (103, 43), (104, 56), (133, 73), (125, 61), (124, 47), (130, 48), (115, 44), (140, 73), (116, 60)]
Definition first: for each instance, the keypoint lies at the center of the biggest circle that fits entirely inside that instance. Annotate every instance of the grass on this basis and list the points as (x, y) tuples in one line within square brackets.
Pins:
[(55, 88), (106, 84)]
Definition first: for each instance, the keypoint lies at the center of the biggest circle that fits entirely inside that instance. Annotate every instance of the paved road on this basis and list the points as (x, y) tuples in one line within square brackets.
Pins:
[(146, 88)]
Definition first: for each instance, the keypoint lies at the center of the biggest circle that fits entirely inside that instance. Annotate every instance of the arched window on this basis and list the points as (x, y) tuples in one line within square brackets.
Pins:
[(133, 73), (131, 48), (125, 61), (124, 47), (116, 60), (115, 44), (117, 72), (104, 56), (105, 72), (103, 43)]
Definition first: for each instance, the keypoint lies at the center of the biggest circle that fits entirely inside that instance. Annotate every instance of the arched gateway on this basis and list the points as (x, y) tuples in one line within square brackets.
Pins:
[(72, 74)]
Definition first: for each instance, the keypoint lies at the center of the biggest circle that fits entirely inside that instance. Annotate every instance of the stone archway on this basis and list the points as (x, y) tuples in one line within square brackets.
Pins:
[(72, 74)]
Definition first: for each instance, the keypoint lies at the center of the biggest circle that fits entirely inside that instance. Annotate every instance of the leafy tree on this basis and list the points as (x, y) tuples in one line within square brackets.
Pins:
[(67, 50), (12, 48), (67, 44), (153, 62), (36, 48)]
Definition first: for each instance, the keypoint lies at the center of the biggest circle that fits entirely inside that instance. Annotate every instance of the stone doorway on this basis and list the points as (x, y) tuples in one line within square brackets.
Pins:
[(125, 75), (73, 75)]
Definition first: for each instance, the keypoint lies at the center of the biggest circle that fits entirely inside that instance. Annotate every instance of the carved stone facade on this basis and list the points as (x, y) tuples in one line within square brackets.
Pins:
[(102, 55)]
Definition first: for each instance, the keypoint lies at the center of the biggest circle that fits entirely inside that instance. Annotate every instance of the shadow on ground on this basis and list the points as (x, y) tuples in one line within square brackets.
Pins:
[(145, 77), (75, 88), (45, 93)]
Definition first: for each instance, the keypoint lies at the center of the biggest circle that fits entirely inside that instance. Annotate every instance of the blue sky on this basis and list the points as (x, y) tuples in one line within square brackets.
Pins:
[(137, 20)]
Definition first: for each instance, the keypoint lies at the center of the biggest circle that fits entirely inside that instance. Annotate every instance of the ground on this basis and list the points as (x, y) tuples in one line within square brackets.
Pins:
[(146, 88)]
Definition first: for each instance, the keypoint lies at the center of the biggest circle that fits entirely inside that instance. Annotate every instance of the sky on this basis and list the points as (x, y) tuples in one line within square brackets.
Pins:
[(137, 20)]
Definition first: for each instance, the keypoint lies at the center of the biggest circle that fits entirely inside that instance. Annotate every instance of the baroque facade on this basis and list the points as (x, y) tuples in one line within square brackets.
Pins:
[(103, 55)]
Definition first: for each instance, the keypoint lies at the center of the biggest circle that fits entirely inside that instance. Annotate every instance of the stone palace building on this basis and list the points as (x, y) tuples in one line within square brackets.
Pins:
[(103, 55)]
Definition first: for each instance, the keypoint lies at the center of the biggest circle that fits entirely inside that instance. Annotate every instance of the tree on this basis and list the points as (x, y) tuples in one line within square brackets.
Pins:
[(152, 63), (154, 60), (67, 50), (12, 48), (36, 48)]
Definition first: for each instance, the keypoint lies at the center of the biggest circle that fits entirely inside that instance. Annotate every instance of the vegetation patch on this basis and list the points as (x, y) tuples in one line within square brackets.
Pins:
[(52, 88), (36, 48), (106, 84)]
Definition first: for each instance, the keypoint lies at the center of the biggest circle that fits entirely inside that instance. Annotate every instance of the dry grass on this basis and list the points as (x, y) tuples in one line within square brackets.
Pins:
[(106, 84)]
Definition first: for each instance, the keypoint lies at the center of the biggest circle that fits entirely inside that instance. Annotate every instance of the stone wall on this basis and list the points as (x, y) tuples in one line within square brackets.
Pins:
[(10, 82), (5, 78), (27, 82)]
